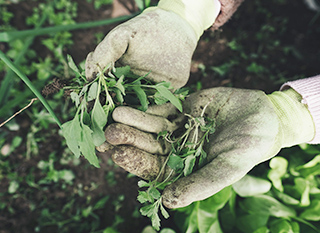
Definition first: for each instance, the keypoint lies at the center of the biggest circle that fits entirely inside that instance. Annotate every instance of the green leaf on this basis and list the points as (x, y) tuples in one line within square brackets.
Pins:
[(154, 193), (93, 91), (99, 120), (163, 211), (72, 65), (281, 226), (287, 199), (312, 213), (189, 164), (75, 98), (155, 221), (120, 86), (119, 95), (87, 146), (278, 167), (71, 131), (251, 186), (252, 222), (208, 222), (168, 95), (176, 163), (143, 197), (142, 183), (303, 187), (147, 210), (262, 229), (122, 71), (101, 203), (142, 97), (267, 205)]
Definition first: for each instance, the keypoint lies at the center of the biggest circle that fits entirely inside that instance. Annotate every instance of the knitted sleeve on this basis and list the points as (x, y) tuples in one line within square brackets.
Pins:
[(309, 89)]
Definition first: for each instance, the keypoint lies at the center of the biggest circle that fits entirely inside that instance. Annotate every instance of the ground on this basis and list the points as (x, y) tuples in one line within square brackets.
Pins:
[(265, 44)]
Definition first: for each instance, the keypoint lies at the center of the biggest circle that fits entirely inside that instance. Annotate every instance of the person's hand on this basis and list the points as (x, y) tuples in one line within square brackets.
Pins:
[(161, 41), (251, 127)]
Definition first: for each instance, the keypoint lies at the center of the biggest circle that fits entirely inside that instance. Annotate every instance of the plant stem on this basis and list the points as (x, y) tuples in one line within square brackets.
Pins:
[(24, 78)]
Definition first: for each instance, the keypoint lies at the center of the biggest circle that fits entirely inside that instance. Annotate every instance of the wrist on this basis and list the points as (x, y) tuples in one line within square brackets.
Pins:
[(295, 120), (309, 89), (200, 14)]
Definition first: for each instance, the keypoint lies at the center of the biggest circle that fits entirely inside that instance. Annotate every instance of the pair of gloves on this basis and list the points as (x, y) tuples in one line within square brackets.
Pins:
[(251, 127)]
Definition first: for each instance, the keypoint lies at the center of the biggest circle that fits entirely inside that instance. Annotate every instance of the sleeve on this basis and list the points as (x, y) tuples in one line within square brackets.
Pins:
[(309, 89)]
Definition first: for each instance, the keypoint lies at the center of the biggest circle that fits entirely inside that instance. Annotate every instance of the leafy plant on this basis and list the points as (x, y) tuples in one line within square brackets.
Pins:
[(287, 202), (186, 155), (104, 93)]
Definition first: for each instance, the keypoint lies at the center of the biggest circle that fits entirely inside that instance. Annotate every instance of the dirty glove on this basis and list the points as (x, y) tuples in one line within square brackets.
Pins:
[(161, 40), (251, 127)]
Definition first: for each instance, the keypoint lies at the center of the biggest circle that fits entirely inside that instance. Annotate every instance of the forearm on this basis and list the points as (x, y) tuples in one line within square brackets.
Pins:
[(309, 89)]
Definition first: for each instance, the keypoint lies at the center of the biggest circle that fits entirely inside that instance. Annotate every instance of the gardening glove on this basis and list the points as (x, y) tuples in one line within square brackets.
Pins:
[(161, 40), (251, 127)]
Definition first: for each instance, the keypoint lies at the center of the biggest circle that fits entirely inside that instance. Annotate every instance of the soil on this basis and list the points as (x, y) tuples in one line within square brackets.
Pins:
[(213, 50)]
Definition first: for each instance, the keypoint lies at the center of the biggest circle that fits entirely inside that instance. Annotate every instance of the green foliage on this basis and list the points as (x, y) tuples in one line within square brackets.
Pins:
[(186, 155), (85, 131), (289, 202)]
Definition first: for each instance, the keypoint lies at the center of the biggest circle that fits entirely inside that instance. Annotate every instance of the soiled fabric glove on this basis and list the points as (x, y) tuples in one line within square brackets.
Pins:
[(251, 127), (161, 40)]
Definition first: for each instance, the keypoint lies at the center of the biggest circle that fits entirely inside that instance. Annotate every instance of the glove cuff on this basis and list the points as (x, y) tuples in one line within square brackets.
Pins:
[(296, 123), (200, 14), (309, 89)]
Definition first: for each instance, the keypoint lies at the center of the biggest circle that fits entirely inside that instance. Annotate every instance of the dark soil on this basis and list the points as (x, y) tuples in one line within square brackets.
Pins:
[(288, 47)]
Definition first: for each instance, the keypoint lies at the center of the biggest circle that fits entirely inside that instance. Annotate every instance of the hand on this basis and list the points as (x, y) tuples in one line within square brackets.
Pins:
[(156, 41), (251, 127)]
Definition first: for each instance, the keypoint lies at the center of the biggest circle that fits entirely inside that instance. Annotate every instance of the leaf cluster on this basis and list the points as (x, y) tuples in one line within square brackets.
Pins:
[(95, 101), (285, 200), (187, 154)]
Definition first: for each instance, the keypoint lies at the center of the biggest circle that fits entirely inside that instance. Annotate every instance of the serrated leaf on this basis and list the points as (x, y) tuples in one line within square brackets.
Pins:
[(147, 210), (143, 197), (71, 131), (87, 146), (155, 220), (168, 95), (164, 213), (154, 193)]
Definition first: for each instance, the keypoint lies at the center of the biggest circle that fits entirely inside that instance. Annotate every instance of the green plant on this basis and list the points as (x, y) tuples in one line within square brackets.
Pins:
[(85, 131), (286, 200)]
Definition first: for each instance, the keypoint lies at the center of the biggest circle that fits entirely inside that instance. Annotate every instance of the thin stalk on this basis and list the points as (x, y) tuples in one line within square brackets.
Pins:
[(25, 79)]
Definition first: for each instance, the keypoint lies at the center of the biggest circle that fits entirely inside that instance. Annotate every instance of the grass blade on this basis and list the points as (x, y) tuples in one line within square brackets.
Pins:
[(24, 78)]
